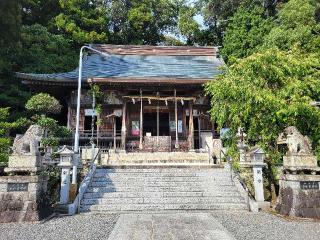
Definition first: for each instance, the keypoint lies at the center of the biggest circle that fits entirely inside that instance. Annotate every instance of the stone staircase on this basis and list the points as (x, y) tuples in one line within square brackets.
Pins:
[(152, 188), (159, 158)]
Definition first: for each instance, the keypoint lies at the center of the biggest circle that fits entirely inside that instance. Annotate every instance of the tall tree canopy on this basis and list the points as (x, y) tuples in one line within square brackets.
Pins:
[(266, 92), (44, 52), (83, 21), (245, 33), (297, 27), (143, 21), (10, 19)]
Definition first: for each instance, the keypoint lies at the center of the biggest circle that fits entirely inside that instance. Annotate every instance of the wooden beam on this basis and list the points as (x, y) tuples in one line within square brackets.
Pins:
[(123, 127), (158, 108), (151, 80), (114, 133), (141, 121), (159, 98), (156, 50), (199, 130), (191, 128), (176, 145)]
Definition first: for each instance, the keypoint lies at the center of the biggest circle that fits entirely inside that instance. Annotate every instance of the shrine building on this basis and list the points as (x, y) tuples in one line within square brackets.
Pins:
[(153, 96)]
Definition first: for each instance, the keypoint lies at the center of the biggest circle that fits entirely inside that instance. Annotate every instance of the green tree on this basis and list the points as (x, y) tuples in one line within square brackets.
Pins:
[(143, 21), (83, 21), (297, 27), (266, 92), (245, 33), (39, 12), (188, 26), (10, 19), (5, 128), (43, 103), (44, 52)]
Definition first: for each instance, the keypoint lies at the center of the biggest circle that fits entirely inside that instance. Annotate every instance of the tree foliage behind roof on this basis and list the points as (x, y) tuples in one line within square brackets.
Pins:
[(245, 33)]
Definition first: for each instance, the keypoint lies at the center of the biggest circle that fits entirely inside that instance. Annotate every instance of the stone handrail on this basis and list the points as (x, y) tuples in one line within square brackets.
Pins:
[(242, 188), (74, 207)]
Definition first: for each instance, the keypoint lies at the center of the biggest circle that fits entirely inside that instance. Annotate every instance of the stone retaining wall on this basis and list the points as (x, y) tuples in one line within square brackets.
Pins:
[(23, 198), (296, 200)]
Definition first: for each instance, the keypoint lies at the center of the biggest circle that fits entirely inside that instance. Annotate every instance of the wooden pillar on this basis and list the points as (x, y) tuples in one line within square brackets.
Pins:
[(69, 117), (158, 121), (141, 121), (191, 128), (184, 122), (176, 118), (199, 130), (114, 133), (123, 127)]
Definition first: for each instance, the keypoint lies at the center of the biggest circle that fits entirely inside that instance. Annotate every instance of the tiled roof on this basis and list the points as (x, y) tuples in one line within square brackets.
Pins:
[(139, 65)]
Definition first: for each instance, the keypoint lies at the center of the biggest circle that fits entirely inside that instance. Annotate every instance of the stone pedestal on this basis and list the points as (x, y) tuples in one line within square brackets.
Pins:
[(24, 163), (23, 198), (299, 195), (300, 161)]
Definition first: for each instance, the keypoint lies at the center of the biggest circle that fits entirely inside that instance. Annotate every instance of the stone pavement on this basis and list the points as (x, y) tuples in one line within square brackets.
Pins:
[(169, 226), (183, 225)]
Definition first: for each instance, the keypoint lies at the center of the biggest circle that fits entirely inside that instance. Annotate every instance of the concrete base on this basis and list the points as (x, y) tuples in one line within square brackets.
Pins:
[(298, 202), (264, 206), (23, 198)]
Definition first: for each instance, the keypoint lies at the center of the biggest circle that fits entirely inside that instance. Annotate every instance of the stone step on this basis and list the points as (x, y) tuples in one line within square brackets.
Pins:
[(163, 200), (163, 169), (164, 177), (152, 188), (158, 189), (154, 180), (161, 174), (159, 161), (155, 207), (146, 184), (159, 194)]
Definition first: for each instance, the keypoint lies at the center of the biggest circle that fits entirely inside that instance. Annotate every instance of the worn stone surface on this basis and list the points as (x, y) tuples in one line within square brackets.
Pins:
[(264, 226), (26, 156), (299, 149), (294, 201), (29, 204), (29, 142), (188, 225), (155, 158), (166, 188), (80, 227), (173, 225)]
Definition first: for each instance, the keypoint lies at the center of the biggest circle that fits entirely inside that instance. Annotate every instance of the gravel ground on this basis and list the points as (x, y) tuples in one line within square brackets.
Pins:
[(265, 226), (84, 226), (242, 225)]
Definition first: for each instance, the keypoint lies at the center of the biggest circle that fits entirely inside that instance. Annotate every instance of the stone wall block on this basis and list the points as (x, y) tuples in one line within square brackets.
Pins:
[(15, 205), (3, 205), (32, 216), (7, 216)]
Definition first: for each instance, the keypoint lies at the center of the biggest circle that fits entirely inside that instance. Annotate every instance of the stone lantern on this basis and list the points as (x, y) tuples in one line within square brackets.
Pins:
[(66, 163), (257, 156)]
